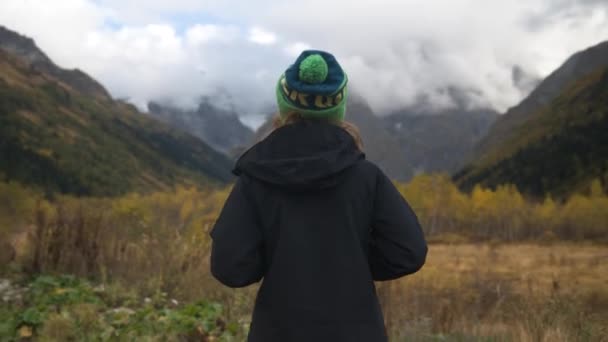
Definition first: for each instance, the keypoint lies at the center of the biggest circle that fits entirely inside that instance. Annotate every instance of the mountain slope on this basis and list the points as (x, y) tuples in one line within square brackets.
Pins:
[(60, 137), (558, 149), (379, 144), (439, 142), (25, 48), (576, 67), (219, 128)]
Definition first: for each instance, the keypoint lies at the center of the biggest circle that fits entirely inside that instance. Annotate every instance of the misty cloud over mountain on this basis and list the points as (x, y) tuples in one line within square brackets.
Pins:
[(397, 54)]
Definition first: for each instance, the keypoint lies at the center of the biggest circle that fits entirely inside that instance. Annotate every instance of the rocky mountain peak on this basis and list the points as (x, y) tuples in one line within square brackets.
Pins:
[(220, 128), (22, 46)]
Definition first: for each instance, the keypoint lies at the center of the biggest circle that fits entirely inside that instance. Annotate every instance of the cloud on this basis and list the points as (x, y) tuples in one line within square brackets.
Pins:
[(440, 53), (199, 35), (60, 29), (294, 49), (397, 52), (155, 62), (260, 36)]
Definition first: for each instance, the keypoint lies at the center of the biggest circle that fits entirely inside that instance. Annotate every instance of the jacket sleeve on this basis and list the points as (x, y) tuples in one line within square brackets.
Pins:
[(397, 245), (237, 246)]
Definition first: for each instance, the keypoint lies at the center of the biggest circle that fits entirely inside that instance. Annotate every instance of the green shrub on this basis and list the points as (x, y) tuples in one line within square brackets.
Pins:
[(66, 308)]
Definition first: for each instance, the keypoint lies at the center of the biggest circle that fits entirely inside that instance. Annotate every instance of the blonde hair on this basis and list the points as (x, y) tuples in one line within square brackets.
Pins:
[(279, 121)]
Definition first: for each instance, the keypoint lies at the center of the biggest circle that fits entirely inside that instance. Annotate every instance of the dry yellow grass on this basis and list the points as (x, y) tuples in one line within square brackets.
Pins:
[(528, 268), (502, 292)]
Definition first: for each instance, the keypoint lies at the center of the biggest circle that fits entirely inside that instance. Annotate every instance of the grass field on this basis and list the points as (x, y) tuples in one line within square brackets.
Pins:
[(510, 292), (528, 269)]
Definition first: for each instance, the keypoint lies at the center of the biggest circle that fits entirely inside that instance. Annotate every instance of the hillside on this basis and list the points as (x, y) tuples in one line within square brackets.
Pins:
[(61, 132), (379, 144), (426, 150), (219, 128), (575, 68), (558, 149), (24, 47)]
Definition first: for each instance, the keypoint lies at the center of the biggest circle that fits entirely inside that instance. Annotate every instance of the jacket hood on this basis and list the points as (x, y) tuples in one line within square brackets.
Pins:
[(310, 154)]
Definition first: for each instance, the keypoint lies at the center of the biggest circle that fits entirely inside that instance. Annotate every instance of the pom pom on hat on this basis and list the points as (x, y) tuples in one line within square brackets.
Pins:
[(313, 69)]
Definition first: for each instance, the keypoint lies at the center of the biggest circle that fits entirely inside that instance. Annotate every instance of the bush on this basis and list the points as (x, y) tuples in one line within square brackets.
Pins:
[(66, 308)]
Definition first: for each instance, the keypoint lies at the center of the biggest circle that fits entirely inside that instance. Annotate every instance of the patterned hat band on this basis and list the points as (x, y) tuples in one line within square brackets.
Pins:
[(310, 101)]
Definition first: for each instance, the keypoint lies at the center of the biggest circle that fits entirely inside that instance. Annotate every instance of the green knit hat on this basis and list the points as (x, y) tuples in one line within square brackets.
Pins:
[(314, 86)]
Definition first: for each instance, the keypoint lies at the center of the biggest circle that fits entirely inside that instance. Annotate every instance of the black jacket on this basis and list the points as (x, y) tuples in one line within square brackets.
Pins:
[(319, 224)]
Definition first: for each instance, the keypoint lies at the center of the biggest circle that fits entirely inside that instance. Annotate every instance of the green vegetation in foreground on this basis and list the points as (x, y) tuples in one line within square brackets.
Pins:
[(66, 308), (61, 140), (558, 150)]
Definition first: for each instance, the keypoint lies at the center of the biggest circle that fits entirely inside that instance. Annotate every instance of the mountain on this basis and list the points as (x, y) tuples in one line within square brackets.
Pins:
[(576, 67), (60, 131), (439, 142), (555, 141), (219, 128), (24, 47), (380, 146)]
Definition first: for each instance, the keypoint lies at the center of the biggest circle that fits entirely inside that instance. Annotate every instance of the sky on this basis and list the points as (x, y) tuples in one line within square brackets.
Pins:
[(397, 53)]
